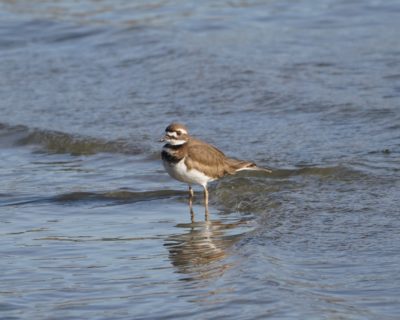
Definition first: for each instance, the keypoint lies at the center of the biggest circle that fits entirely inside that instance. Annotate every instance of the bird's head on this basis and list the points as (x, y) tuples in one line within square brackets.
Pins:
[(176, 134)]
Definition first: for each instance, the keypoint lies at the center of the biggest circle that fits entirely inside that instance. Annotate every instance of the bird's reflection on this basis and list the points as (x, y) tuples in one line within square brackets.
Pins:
[(201, 251)]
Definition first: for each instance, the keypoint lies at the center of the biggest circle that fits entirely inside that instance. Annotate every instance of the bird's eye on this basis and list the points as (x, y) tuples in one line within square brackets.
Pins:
[(179, 133)]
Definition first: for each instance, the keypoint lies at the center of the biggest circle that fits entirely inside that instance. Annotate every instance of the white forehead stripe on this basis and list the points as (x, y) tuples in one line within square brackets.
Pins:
[(174, 134)]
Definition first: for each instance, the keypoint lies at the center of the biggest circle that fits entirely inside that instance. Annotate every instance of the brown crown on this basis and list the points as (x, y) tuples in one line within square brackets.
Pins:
[(173, 127)]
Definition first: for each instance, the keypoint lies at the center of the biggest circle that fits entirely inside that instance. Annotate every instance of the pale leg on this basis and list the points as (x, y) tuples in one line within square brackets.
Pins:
[(191, 195), (206, 202)]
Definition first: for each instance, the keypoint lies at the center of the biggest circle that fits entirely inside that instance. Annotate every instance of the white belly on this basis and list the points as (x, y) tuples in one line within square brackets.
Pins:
[(180, 172)]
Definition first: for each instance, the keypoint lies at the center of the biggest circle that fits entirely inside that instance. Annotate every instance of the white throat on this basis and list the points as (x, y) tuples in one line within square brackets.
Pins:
[(174, 142)]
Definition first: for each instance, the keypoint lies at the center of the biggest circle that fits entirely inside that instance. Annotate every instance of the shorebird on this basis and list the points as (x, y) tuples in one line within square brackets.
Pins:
[(194, 161)]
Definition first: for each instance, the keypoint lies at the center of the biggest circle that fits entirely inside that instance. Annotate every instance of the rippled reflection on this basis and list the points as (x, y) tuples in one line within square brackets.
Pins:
[(202, 250)]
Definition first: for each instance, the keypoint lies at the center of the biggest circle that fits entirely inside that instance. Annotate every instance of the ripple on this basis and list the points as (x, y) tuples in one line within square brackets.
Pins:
[(88, 238), (61, 142), (111, 196)]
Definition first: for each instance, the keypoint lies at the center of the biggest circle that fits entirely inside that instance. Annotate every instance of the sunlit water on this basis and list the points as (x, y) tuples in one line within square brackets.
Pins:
[(91, 227)]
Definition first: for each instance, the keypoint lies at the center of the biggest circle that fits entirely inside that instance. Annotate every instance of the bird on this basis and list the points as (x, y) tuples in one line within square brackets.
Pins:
[(194, 161)]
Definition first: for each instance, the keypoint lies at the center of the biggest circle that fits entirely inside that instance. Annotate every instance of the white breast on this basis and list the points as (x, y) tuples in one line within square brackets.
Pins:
[(180, 172)]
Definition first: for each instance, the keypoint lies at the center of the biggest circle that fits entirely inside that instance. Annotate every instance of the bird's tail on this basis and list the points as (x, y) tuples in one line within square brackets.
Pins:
[(238, 165), (255, 168)]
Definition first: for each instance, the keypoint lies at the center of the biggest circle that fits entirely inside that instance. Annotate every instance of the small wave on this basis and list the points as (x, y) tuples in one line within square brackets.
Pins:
[(318, 171), (10, 134), (94, 239), (74, 34), (254, 192), (60, 142), (338, 172), (118, 196)]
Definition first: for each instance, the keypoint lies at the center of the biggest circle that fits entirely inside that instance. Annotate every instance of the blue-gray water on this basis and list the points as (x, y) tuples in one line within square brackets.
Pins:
[(91, 227)]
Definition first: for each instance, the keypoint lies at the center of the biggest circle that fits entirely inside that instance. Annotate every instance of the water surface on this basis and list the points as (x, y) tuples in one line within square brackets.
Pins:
[(92, 227)]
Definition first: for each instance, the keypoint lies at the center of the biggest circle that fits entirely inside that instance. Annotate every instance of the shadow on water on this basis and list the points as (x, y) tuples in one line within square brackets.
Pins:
[(201, 252)]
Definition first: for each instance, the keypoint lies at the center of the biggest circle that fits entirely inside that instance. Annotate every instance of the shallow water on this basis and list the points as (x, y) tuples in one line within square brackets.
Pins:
[(92, 227)]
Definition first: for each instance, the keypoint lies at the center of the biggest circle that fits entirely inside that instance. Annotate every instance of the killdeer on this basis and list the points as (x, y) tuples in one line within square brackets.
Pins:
[(194, 161)]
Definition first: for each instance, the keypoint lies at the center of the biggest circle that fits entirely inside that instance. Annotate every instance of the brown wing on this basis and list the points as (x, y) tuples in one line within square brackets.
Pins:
[(210, 160), (206, 158)]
